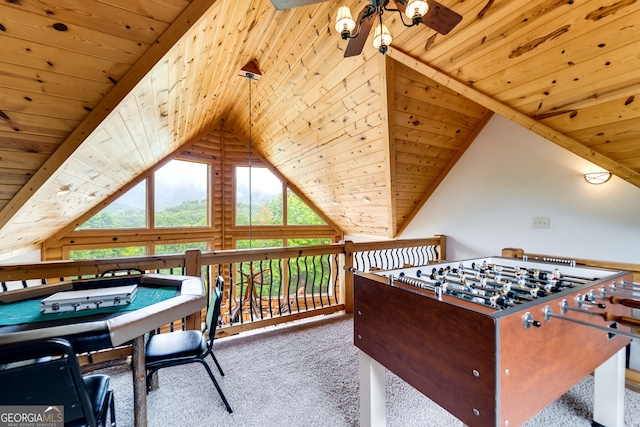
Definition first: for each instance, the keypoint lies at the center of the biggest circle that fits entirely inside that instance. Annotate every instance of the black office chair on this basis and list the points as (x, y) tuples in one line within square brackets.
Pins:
[(46, 372), (191, 346)]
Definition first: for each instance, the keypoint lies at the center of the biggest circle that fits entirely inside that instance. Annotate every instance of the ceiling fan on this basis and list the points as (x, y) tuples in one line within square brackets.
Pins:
[(428, 12)]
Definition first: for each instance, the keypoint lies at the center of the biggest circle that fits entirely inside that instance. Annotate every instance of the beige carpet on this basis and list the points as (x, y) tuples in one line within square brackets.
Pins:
[(307, 375)]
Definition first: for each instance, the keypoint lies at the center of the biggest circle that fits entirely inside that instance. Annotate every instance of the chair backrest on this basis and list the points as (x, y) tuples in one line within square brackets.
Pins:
[(213, 309), (44, 372)]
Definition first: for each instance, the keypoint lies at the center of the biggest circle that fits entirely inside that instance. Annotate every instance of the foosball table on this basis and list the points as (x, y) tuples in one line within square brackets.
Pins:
[(494, 340)]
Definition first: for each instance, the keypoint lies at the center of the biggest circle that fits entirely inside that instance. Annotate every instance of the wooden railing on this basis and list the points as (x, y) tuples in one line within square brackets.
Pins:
[(262, 287)]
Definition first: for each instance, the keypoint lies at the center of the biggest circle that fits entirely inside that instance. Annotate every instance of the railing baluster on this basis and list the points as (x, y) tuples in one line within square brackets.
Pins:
[(270, 299), (240, 294), (230, 297), (251, 288), (322, 261), (305, 282), (359, 265), (281, 287), (313, 281), (336, 277), (298, 283), (289, 284), (261, 284)]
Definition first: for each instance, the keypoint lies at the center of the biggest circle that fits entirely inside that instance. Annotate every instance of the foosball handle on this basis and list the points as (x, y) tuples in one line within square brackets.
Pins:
[(627, 302), (623, 320)]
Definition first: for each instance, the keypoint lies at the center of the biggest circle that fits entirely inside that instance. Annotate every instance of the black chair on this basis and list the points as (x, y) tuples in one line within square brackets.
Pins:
[(191, 346), (46, 372)]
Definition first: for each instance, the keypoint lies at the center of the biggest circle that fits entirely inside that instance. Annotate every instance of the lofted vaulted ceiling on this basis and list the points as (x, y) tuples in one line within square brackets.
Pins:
[(95, 92)]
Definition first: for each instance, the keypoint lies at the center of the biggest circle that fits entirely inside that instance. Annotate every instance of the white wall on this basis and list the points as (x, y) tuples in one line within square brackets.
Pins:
[(510, 175), (26, 258)]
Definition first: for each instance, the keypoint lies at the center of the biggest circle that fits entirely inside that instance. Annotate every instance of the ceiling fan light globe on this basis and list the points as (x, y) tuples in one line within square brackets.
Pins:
[(381, 37), (416, 9), (344, 21)]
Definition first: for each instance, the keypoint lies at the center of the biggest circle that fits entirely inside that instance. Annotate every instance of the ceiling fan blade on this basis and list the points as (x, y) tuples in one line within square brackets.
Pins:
[(290, 4), (439, 17), (357, 43)]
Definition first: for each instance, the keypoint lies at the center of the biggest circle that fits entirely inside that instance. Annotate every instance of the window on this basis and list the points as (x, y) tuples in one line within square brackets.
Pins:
[(308, 242), (179, 248), (262, 244), (298, 213), (266, 200), (266, 197), (180, 200), (129, 211), (108, 253), (180, 195)]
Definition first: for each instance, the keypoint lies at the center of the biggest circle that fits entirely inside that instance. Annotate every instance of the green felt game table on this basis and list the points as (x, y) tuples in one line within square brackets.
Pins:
[(161, 299)]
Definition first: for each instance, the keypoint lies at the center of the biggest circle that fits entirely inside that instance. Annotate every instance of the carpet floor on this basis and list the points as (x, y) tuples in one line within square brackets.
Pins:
[(307, 375)]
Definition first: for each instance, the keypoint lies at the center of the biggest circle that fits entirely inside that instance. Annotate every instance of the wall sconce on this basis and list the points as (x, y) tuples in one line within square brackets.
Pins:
[(596, 178)]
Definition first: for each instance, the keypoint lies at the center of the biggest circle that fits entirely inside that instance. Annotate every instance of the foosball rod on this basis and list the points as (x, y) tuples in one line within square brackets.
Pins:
[(548, 314), (524, 294), (604, 294), (527, 280), (528, 277), (568, 277), (432, 285), (626, 286), (498, 286), (609, 317)]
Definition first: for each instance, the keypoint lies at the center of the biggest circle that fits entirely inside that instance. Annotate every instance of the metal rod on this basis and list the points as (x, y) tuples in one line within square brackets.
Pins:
[(568, 277), (606, 294), (525, 293), (548, 315), (547, 284), (632, 286), (457, 293)]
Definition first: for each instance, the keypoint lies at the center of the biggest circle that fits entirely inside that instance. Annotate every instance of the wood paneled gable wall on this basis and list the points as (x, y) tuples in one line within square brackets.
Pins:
[(223, 151)]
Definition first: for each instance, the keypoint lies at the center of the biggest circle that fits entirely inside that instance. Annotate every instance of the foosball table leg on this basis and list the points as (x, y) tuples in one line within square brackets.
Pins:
[(372, 392), (608, 405)]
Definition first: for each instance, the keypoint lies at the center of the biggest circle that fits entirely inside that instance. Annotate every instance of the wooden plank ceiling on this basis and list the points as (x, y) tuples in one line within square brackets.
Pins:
[(95, 92)]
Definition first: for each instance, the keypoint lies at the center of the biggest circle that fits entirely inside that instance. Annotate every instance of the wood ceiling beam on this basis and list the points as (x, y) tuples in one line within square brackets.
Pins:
[(515, 116), (156, 51)]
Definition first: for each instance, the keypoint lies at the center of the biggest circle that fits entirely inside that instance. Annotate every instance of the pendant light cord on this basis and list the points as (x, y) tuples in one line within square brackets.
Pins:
[(250, 77)]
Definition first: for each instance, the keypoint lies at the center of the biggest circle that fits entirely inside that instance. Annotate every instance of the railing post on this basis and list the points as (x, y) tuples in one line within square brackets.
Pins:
[(443, 246), (512, 253), (346, 277), (193, 267)]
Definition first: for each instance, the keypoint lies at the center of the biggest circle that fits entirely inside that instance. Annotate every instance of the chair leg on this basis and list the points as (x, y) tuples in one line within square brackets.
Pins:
[(112, 410), (215, 384), (217, 364), (149, 379)]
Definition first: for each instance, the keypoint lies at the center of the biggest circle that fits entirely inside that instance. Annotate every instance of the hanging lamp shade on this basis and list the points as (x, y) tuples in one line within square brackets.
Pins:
[(344, 20), (416, 8), (381, 37)]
